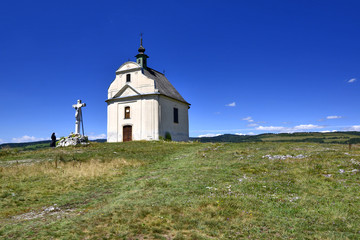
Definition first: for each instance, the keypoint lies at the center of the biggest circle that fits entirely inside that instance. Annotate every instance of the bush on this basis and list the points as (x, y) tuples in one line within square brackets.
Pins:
[(354, 140), (7, 150), (167, 136)]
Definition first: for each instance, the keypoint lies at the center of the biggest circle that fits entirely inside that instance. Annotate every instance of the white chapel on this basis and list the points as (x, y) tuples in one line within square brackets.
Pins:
[(144, 105)]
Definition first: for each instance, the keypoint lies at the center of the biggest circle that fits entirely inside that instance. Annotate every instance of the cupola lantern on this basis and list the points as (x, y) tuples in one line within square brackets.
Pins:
[(141, 57)]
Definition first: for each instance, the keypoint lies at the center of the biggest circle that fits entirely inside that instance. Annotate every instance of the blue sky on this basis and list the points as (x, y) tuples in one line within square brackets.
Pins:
[(247, 67)]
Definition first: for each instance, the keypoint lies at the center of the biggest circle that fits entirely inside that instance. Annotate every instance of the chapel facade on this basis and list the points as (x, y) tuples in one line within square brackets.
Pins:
[(143, 105)]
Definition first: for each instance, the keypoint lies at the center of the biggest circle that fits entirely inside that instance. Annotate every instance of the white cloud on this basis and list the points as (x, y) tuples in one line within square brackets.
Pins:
[(1, 141), (307, 127), (28, 139), (94, 137), (244, 134), (252, 125), (271, 128), (209, 135), (353, 128), (233, 104), (249, 119), (333, 117), (352, 80), (219, 131), (297, 128)]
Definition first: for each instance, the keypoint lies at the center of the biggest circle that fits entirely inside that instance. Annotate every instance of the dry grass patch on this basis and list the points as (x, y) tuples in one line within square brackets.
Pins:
[(68, 170)]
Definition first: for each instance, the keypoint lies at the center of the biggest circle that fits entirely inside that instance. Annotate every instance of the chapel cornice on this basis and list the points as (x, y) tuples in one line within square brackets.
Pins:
[(140, 96), (131, 97)]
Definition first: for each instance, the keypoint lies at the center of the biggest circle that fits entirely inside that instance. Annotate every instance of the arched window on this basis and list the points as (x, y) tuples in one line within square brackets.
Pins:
[(128, 77), (127, 112)]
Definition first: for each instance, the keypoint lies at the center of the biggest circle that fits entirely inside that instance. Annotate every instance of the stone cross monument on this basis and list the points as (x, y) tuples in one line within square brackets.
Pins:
[(78, 116)]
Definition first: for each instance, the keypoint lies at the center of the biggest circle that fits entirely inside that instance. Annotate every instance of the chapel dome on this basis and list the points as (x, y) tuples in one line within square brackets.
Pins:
[(141, 49)]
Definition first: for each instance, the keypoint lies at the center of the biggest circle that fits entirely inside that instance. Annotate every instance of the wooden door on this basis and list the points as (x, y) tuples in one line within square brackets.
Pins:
[(127, 133)]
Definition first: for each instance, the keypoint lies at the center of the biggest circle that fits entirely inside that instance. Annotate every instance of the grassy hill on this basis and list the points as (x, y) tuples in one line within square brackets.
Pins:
[(331, 137), (168, 190)]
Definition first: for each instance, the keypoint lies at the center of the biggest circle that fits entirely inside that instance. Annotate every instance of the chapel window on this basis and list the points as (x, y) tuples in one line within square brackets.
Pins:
[(176, 115), (127, 112), (128, 79)]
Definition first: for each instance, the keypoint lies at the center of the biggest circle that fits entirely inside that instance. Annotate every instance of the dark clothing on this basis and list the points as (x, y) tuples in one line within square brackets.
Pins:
[(53, 140)]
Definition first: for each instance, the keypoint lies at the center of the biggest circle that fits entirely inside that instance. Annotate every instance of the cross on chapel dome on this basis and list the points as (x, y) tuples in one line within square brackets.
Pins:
[(141, 48)]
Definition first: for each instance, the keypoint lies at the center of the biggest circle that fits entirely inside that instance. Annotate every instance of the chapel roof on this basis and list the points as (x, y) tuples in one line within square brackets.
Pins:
[(163, 84)]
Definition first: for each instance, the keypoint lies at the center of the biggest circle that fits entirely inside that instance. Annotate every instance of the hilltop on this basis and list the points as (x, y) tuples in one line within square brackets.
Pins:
[(169, 190), (329, 137)]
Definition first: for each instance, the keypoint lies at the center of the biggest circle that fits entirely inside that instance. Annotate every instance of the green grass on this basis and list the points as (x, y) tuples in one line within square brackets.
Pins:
[(168, 190)]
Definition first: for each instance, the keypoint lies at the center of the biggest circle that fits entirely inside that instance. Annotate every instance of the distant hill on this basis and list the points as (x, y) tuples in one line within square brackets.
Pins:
[(36, 145), (28, 145), (331, 137)]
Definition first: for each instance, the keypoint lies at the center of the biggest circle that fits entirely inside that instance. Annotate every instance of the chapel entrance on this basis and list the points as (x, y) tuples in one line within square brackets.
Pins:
[(127, 133)]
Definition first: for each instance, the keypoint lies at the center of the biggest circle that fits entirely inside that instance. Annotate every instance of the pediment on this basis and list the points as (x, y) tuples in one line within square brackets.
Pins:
[(128, 66), (126, 91)]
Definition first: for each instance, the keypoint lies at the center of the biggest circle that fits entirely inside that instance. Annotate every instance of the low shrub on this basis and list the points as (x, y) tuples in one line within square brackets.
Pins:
[(167, 136)]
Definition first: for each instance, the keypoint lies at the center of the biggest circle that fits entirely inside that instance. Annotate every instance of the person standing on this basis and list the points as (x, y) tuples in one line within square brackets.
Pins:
[(53, 140)]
